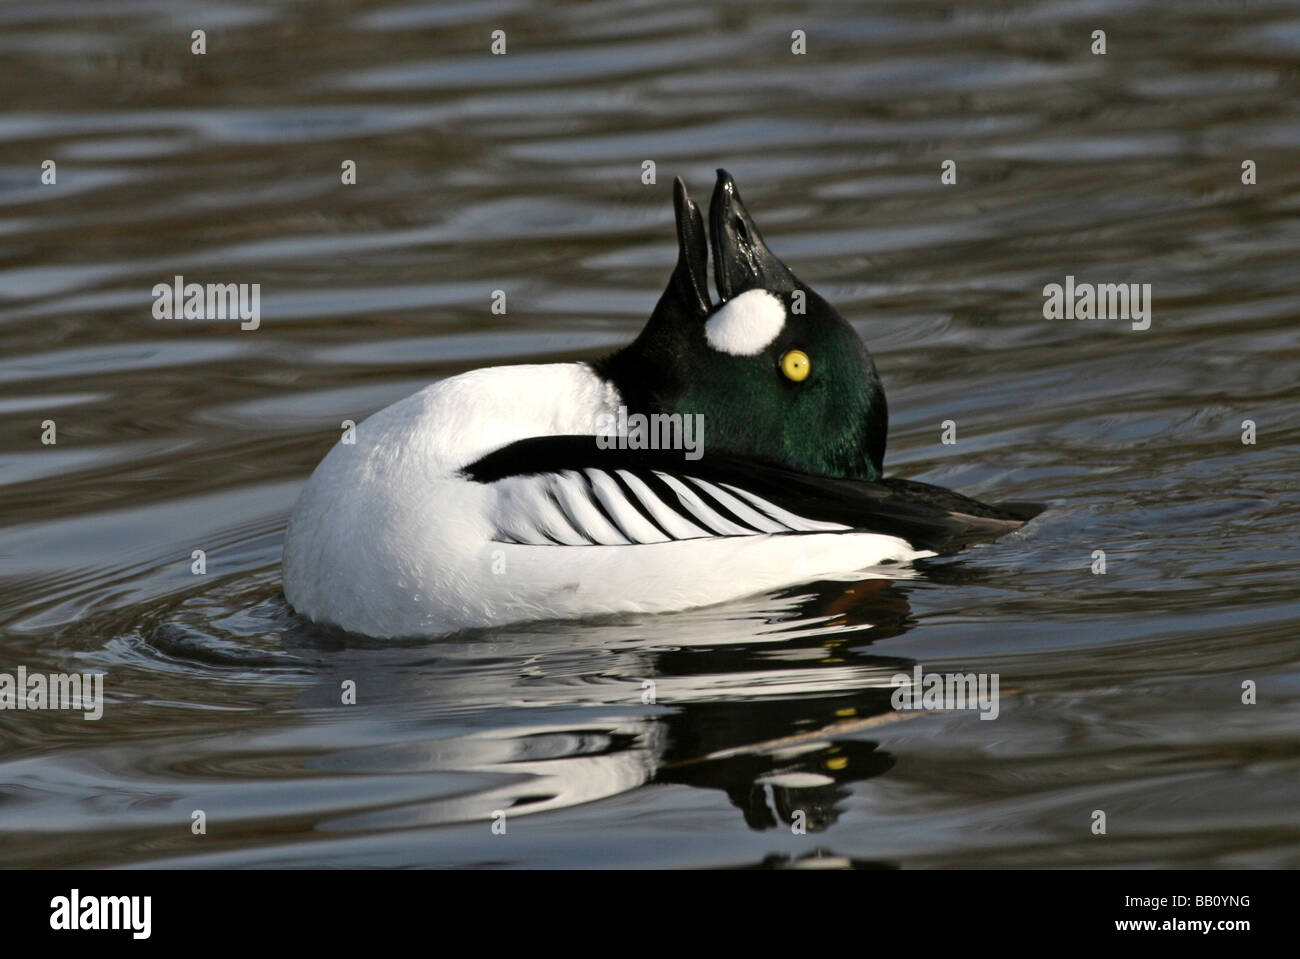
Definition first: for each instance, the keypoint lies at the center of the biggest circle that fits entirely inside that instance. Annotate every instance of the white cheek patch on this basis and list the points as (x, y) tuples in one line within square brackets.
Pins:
[(746, 324)]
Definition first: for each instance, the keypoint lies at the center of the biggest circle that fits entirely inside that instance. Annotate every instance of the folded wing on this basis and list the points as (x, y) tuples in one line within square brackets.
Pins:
[(568, 491)]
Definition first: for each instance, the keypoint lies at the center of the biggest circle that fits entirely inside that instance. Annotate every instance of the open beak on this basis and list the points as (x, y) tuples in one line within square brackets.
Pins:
[(741, 260), (692, 274)]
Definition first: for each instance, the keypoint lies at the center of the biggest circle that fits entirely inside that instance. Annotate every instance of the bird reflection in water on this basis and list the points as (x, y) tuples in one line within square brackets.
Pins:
[(766, 701)]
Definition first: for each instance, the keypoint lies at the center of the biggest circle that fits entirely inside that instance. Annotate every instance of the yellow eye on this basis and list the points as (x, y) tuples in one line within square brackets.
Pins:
[(796, 365)]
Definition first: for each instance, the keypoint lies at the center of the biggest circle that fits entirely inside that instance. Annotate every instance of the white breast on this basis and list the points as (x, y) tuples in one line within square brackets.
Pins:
[(385, 532)]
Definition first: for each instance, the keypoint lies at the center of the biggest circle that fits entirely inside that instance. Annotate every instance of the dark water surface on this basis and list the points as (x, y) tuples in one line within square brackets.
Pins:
[(1121, 692)]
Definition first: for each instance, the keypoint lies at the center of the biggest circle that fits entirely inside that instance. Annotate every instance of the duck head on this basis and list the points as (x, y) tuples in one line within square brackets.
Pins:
[(776, 372)]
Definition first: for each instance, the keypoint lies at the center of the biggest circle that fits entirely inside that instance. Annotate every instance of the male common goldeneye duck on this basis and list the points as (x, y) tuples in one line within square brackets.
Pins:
[(502, 494)]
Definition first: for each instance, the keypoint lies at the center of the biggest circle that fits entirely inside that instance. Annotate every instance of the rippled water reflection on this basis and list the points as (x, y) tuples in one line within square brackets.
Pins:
[(1119, 692)]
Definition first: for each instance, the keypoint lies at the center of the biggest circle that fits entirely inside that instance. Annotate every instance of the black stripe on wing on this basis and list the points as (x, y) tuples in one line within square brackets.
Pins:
[(647, 496)]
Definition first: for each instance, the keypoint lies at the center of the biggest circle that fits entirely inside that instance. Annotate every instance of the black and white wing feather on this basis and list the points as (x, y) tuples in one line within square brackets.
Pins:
[(567, 491), (618, 506)]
